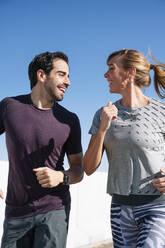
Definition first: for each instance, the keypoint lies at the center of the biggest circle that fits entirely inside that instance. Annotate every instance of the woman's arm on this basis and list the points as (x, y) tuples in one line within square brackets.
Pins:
[(93, 155)]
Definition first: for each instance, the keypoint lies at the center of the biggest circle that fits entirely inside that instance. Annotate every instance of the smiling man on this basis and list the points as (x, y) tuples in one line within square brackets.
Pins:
[(39, 132)]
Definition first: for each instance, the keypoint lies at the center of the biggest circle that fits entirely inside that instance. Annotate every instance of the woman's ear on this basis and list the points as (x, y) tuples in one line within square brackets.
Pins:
[(132, 71), (131, 74)]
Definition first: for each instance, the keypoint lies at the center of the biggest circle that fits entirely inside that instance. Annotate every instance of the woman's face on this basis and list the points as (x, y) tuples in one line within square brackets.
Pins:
[(116, 75)]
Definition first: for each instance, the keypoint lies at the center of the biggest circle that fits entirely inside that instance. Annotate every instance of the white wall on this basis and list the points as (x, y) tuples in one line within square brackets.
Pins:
[(89, 217)]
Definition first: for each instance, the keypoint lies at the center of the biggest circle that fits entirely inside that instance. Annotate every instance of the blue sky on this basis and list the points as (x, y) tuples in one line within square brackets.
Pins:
[(87, 31)]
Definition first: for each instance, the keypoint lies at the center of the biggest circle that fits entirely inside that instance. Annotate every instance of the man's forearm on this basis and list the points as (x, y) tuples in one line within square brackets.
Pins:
[(75, 174)]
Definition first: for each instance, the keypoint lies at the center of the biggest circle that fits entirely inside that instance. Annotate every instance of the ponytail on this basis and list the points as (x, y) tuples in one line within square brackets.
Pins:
[(159, 77)]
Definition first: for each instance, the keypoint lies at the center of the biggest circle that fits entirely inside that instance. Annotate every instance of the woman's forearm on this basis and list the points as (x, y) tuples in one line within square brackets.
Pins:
[(93, 155)]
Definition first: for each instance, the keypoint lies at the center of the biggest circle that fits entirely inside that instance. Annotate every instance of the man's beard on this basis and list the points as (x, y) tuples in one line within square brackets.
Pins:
[(51, 92)]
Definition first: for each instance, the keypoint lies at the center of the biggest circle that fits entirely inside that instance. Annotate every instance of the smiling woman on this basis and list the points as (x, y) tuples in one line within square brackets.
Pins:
[(116, 75), (132, 132)]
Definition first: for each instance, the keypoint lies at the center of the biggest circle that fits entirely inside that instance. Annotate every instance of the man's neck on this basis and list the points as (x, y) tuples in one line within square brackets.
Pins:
[(41, 100)]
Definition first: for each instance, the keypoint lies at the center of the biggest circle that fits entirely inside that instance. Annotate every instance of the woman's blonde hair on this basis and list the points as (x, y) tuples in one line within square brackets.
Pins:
[(134, 59)]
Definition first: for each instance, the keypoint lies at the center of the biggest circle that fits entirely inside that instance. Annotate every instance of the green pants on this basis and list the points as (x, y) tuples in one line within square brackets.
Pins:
[(41, 231)]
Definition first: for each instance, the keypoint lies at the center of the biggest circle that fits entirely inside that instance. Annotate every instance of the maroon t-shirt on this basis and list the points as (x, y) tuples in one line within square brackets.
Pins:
[(36, 138)]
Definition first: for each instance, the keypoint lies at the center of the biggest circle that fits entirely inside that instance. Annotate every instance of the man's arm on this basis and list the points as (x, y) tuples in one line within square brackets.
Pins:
[(49, 178), (76, 171)]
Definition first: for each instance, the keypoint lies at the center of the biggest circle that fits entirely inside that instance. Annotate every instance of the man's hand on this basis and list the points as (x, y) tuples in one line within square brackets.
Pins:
[(160, 182), (109, 113), (48, 178), (1, 194)]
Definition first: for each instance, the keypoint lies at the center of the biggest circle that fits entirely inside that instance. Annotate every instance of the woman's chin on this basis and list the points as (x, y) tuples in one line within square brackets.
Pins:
[(112, 91)]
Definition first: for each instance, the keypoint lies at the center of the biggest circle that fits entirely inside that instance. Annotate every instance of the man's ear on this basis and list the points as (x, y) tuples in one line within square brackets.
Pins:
[(41, 75)]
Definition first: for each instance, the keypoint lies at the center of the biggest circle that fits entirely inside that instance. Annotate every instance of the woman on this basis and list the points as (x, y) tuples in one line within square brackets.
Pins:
[(132, 132)]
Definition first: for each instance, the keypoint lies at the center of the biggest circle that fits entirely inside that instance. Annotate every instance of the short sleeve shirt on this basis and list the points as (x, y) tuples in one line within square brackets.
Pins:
[(135, 147), (36, 138)]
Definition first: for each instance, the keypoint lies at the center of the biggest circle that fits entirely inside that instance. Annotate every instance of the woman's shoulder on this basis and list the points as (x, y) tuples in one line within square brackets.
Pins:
[(157, 104)]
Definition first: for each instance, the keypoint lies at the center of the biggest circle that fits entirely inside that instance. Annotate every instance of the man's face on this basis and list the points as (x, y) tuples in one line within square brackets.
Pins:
[(57, 81)]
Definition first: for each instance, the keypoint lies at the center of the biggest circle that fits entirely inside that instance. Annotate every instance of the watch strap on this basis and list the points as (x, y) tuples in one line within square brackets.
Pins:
[(66, 178)]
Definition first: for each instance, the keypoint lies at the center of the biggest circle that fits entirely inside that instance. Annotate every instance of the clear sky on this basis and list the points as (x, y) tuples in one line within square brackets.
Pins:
[(87, 31)]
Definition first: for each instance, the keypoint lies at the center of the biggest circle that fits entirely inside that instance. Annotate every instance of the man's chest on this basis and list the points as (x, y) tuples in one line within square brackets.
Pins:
[(28, 126)]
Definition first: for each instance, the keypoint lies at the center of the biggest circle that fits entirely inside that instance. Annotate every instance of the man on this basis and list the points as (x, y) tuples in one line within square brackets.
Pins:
[(39, 132)]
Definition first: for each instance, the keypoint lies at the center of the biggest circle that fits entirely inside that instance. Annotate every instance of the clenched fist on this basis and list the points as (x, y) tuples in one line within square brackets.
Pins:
[(48, 178), (109, 113)]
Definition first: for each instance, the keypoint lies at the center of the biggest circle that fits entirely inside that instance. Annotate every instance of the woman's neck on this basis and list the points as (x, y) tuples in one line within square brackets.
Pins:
[(134, 97)]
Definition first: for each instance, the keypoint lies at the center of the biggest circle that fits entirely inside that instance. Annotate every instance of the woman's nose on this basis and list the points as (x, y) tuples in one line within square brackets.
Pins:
[(105, 75)]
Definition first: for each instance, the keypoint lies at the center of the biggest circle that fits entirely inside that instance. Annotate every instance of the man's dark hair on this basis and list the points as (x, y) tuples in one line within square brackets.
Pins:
[(43, 61)]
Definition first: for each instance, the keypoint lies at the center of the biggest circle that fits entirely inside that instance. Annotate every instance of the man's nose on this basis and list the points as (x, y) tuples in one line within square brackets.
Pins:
[(67, 82)]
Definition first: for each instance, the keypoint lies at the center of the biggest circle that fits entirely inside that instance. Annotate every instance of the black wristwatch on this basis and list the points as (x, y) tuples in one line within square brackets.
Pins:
[(66, 178)]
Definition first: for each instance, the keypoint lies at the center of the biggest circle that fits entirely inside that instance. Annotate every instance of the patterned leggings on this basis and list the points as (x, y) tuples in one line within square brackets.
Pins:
[(138, 226)]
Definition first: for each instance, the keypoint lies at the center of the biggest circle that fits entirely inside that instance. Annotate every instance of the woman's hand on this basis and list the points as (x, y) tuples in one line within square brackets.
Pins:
[(160, 182), (1, 194), (109, 113)]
